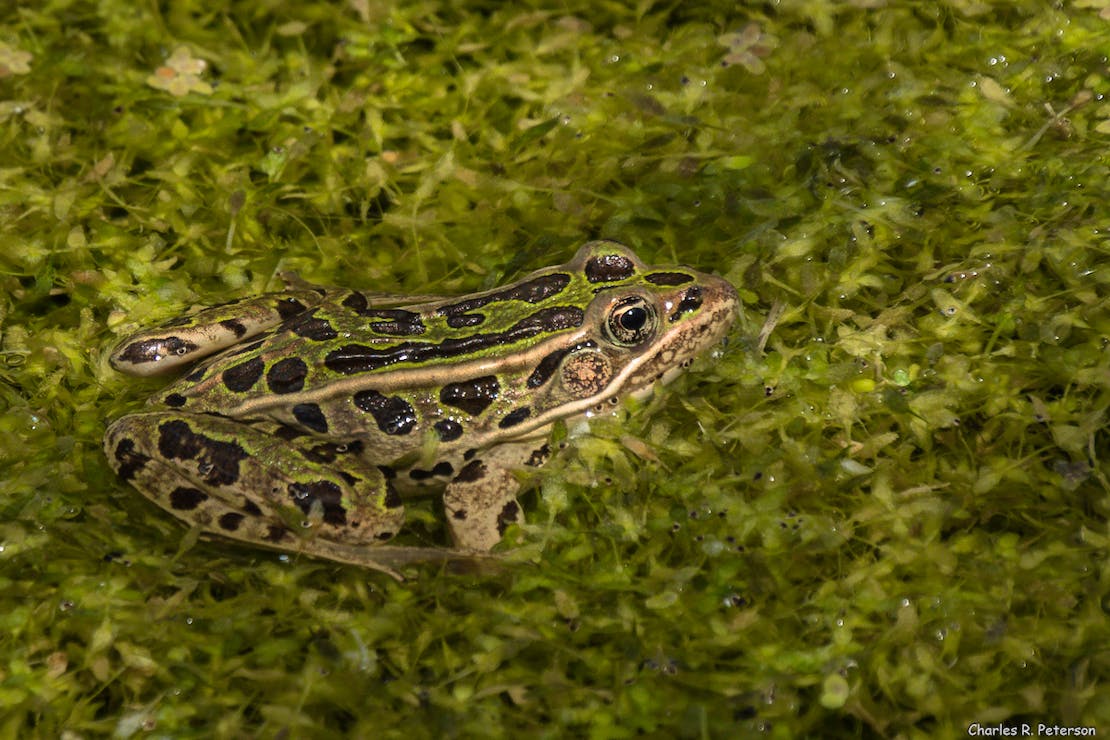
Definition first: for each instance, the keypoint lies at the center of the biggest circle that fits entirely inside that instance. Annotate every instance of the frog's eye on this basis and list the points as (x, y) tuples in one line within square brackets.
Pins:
[(632, 321)]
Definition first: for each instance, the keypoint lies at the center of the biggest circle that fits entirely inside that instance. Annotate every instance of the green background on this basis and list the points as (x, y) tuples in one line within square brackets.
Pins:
[(890, 521)]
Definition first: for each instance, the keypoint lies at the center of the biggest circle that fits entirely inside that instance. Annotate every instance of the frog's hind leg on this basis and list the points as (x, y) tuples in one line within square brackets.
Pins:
[(187, 339), (253, 484), (178, 494)]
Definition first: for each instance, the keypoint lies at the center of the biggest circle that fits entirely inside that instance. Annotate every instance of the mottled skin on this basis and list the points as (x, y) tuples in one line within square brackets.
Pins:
[(325, 408)]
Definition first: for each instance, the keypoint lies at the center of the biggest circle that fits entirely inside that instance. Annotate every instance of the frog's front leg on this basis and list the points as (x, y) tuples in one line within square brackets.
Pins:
[(480, 502), (187, 339), (262, 484)]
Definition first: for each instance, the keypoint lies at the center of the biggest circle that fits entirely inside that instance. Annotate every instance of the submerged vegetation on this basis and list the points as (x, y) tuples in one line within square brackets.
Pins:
[(881, 510)]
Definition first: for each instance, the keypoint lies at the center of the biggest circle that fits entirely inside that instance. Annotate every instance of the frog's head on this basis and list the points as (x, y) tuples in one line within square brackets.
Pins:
[(640, 324)]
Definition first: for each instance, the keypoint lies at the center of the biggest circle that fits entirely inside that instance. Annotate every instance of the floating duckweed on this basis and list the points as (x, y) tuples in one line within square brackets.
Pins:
[(834, 691), (863, 385)]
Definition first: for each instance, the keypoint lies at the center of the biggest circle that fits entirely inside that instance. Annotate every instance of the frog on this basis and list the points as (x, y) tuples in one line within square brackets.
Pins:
[(307, 417)]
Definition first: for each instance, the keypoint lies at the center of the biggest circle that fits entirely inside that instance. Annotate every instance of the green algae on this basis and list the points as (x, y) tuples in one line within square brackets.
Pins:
[(888, 516)]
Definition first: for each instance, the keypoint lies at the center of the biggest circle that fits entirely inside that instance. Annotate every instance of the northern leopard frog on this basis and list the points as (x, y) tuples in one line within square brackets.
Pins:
[(325, 408)]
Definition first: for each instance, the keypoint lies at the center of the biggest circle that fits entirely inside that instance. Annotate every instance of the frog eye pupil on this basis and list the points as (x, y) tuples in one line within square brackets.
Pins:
[(633, 319)]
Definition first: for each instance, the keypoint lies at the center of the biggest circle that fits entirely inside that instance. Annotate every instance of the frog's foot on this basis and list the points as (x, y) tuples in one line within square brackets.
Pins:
[(232, 479)]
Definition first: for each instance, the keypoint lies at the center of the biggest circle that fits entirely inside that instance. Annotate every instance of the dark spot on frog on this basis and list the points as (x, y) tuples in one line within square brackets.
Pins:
[(606, 268), (530, 291), (251, 508), (327, 493), (243, 376), (546, 367), (287, 308), (470, 453), (130, 461), (509, 515), (448, 430), (356, 302), (152, 350), (310, 415), (393, 414), (539, 456), (328, 452), (187, 499), (465, 320), (360, 358), (217, 461), (691, 301), (383, 536), (230, 521), (311, 327), (287, 375), (197, 375), (392, 497), (472, 396), (174, 400), (349, 479), (474, 470), (388, 472), (275, 533), (288, 433), (515, 417), (441, 470), (668, 278), (397, 322), (459, 514), (555, 318), (235, 327)]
